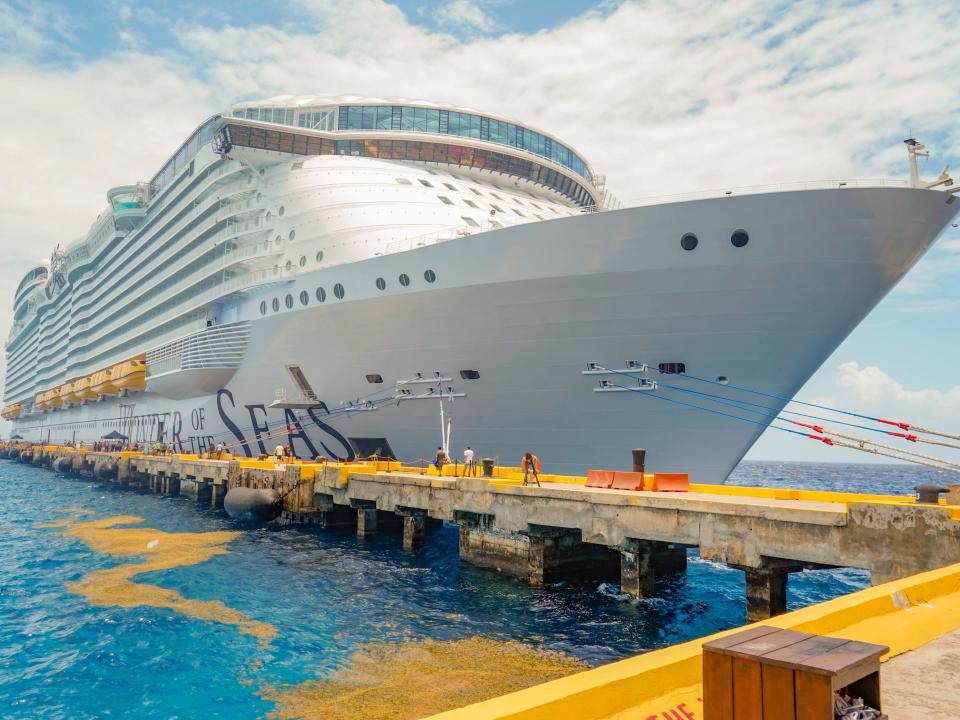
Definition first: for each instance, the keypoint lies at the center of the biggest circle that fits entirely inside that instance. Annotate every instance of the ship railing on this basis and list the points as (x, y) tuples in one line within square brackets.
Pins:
[(217, 346), (437, 236), (759, 190), (85, 306)]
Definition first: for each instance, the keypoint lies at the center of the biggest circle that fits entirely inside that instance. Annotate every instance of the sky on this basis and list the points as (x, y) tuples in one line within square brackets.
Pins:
[(662, 97)]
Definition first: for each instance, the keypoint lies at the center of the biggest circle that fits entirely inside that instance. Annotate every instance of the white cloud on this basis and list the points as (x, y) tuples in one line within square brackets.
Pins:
[(465, 13)]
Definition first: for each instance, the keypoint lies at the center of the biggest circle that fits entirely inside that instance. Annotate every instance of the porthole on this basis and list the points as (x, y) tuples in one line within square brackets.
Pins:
[(320, 256), (276, 304), (289, 265), (404, 279), (291, 235), (430, 276), (288, 301), (689, 241), (303, 260), (259, 197), (739, 238), (381, 284), (304, 297), (321, 295), (278, 239), (338, 291), (281, 211), (263, 307)]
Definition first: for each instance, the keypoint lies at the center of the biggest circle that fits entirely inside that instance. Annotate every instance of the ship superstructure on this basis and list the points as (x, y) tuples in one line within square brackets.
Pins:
[(371, 242)]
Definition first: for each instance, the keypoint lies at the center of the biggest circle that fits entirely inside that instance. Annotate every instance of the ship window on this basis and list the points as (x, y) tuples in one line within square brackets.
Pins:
[(470, 221), (739, 238), (518, 212), (403, 181), (432, 172), (475, 191), (470, 374), (298, 165), (338, 291), (449, 186), (281, 211), (689, 241), (518, 201), (471, 203), (429, 276), (496, 224), (536, 206), (445, 200), (303, 260), (497, 208), (259, 196), (496, 196), (321, 295), (289, 265), (275, 304), (404, 279), (672, 368), (288, 301), (292, 234), (381, 284), (263, 307), (375, 378), (320, 256), (426, 183), (304, 297)]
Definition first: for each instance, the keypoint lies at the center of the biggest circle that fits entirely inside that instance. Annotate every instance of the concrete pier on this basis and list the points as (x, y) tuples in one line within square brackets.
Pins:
[(565, 530)]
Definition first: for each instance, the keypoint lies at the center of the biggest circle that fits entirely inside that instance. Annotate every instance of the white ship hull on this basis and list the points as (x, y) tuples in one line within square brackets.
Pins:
[(529, 306)]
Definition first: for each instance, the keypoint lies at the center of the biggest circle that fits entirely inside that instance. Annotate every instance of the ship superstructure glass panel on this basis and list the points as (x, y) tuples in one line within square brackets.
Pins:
[(407, 118)]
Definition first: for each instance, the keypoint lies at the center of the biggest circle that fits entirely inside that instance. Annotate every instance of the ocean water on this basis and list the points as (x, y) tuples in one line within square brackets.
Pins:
[(75, 643)]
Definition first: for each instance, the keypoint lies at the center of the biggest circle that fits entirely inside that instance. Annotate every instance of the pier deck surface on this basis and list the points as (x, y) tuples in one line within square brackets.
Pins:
[(736, 500), (923, 682)]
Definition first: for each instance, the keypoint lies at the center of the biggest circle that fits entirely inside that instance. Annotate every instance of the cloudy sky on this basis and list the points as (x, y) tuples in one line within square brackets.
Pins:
[(662, 97)]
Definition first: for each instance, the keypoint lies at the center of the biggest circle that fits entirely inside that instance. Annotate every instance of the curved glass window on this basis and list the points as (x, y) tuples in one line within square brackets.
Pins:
[(275, 304), (430, 276), (288, 301), (739, 238), (263, 307), (404, 279), (338, 291), (449, 122), (381, 284), (321, 295), (422, 151), (304, 297)]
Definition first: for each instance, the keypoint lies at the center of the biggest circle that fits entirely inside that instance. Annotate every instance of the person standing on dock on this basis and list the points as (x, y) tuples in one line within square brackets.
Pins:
[(469, 464), (440, 460), (530, 464), (278, 453)]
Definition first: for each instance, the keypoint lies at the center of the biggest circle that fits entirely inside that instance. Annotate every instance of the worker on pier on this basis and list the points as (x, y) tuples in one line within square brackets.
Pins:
[(278, 453), (469, 464), (530, 464), (440, 460)]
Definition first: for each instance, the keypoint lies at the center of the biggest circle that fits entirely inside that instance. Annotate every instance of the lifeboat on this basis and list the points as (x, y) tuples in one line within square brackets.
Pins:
[(68, 393), (81, 388), (11, 412), (55, 400), (101, 383), (40, 401), (130, 375)]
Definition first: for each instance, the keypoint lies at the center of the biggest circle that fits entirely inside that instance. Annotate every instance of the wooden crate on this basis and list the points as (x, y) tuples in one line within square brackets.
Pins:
[(766, 673)]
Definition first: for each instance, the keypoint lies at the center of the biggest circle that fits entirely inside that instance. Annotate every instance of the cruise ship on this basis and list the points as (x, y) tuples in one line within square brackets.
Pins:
[(359, 275)]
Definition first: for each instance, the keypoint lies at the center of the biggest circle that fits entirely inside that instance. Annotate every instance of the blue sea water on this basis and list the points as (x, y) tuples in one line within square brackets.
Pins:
[(326, 593)]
